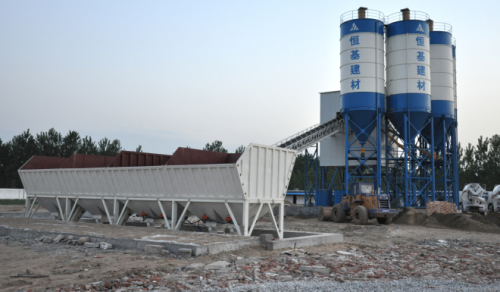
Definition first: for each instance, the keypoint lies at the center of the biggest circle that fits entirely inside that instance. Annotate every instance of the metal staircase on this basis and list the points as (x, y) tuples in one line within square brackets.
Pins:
[(312, 135)]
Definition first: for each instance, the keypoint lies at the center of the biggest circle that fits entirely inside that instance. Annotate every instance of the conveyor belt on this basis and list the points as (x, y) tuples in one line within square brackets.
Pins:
[(312, 135)]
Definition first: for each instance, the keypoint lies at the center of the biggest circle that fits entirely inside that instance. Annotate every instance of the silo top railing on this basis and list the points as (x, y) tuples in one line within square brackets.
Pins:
[(414, 15), (442, 26), (369, 13)]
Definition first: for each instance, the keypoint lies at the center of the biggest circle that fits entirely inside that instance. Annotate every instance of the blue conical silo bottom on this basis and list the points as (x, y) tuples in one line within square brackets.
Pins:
[(414, 106), (362, 109), (442, 111), (362, 124)]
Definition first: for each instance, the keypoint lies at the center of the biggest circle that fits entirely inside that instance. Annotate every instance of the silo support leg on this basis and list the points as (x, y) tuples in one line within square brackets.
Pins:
[(255, 219), (274, 221), (233, 218)]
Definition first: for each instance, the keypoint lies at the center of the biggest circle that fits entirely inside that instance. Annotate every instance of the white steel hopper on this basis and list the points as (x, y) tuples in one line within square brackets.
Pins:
[(244, 190)]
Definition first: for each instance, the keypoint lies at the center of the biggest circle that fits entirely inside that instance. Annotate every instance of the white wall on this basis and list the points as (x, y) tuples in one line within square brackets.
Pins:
[(332, 149), (12, 194)]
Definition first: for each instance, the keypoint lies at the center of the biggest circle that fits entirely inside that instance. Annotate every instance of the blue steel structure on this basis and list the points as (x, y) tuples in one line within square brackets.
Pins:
[(362, 94), (420, 126), (315, 176)]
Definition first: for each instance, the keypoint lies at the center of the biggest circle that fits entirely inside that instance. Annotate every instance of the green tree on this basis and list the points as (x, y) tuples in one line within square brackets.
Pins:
[(492, 164), (481, 158), (138, 149), (49, 143), (240, 149), (215, 146), (109, 148), (297, 179), (5, 161), (71, 144), (88, 146), (23, 147)]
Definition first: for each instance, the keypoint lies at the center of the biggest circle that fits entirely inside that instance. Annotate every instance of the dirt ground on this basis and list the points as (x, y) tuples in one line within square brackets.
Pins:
[(17, 209), (75, 265)]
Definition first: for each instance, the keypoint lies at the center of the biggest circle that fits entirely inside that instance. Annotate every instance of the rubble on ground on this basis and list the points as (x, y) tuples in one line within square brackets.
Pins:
[(431, 259)]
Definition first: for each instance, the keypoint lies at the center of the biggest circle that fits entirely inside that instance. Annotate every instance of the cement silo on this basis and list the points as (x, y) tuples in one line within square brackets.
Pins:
[(442, 103), (442, 98), (362, 91), (410, 174)]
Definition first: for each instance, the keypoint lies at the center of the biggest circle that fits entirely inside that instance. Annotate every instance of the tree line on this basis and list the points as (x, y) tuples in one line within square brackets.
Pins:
[(14, 153), (480, 163)]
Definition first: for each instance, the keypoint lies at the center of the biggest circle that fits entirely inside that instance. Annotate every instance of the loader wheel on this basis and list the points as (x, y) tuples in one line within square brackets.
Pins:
[(360, 215), (381, 220), (338, 213), (490, 208)]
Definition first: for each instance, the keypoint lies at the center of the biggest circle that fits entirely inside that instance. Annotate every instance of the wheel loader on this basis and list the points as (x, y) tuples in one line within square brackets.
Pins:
[(362, 204)]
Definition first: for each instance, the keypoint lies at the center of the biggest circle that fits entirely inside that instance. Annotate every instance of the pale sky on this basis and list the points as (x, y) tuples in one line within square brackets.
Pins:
[(165, 74)]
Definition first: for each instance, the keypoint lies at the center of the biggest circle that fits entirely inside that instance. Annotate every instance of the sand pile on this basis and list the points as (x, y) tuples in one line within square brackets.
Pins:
[(467, 221)]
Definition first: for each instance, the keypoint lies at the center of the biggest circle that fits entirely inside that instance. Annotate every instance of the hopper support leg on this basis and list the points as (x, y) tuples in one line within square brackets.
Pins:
[(123, 217), (174, 214), (167, 225), (181, 218), (281, 219), (29, 206), (116, 210), (280, 235), (34, 211), (255, 219), (233, 218), (72, 213), (60, 209), (246, 218), (67, 209), (107, 212)]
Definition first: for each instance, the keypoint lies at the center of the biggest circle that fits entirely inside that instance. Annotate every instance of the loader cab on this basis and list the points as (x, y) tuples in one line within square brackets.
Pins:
[(361, 189)]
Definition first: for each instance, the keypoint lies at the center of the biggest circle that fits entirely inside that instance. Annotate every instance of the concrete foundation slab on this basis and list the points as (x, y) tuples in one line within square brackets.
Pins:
[(296, 239), (137, 238), (126, 237)]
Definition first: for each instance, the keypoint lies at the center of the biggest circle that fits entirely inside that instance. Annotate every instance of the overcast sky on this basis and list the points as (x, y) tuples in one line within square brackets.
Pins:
[(165, 74)]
